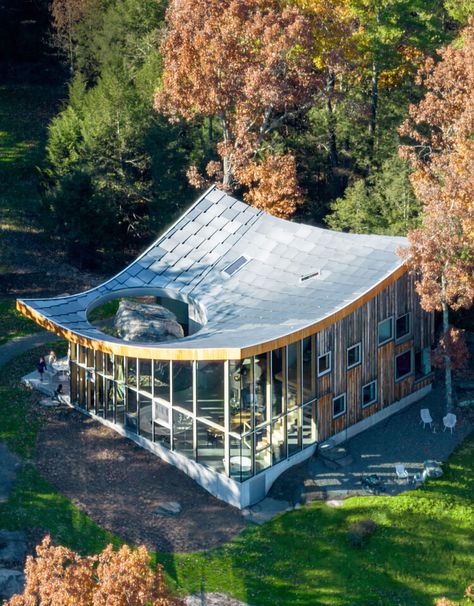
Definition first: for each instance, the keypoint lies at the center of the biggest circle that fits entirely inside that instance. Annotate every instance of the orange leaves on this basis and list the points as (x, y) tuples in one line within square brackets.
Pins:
[(273, 185), (250, 64), (57, 576), (442, 154)]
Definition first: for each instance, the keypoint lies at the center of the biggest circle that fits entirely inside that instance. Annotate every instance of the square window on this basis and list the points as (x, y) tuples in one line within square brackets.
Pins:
[(354, 355), (403, 365), (422, 363), (385, 331), (339, 406), (369, 393), (403, 326), (324, 364)]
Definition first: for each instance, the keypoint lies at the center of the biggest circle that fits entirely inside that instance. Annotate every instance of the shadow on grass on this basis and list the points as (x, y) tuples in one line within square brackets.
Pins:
[(423, 548)]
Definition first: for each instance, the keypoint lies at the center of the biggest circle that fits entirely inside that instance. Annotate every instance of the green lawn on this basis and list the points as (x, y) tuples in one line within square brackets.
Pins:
[(12, 323), (423, 547), (25, 112)]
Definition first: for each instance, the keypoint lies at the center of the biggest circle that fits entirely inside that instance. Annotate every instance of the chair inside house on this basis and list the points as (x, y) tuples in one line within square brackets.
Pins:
[(449, 421), (402, 473), (425, 417)]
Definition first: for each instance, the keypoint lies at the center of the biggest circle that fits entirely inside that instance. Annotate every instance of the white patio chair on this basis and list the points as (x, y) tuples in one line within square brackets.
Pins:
[(449, 421), (426, 417), (402, 473)]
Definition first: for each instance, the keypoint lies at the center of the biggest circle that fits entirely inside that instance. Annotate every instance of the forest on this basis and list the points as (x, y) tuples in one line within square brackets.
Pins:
[(295, 105)]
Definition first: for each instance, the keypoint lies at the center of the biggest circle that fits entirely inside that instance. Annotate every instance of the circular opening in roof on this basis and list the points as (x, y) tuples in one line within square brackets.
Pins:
[(146, 318)]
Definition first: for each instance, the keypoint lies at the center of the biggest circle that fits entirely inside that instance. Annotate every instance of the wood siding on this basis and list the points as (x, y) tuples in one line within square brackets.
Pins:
[(378, 362)]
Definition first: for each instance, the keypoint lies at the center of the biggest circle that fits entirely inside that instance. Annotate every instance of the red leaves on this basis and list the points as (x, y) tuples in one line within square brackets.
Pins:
[(60, 577), (452, 347)]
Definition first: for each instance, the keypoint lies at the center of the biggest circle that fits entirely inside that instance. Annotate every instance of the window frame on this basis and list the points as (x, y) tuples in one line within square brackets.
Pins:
[(412, 365), (407, 334), (359, 361), (376, 393), (329, 369), (380, 343), (339, 414)]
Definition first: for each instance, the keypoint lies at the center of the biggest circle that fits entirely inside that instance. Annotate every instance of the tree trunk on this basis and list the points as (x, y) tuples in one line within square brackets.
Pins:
[(210, 132), (333, 158), (227, 168), (374, 102), (447, 362)]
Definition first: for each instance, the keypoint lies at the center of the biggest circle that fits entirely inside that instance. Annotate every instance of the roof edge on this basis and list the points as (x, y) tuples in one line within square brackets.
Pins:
[(162, 353)]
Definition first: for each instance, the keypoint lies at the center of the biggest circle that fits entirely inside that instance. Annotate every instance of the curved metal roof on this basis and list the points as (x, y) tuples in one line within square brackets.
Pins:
[(263, 304)]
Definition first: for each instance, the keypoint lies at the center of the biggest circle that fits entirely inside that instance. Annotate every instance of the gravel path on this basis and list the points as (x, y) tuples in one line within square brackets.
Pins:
[(19, 345)]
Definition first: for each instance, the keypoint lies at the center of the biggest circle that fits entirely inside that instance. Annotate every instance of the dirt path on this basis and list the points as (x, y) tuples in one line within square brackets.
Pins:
[(120, 486)]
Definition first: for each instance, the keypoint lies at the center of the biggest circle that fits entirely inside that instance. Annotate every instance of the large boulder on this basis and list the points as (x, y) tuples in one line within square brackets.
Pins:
[(144, 322)]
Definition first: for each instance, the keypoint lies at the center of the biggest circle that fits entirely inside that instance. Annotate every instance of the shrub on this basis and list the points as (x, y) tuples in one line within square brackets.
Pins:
[(60, 577), (359, 532)]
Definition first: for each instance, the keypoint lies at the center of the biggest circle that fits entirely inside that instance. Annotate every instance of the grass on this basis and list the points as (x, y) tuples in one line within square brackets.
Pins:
[(423, 547), (24, 114), (34, 503), (105, 311), (12, 323)]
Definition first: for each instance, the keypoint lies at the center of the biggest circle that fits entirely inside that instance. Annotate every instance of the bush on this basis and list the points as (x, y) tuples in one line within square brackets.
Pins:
[(60, 577), (359, 532)]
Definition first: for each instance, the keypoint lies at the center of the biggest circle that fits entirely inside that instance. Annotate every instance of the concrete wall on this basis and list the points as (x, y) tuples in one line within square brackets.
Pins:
[(253, 490)]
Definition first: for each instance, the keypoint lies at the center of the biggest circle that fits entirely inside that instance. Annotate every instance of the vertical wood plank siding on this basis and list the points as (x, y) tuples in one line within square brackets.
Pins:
[(378, 363)]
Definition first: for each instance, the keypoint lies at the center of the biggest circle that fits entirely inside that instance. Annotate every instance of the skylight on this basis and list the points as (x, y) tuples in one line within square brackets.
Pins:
[(234, 267)]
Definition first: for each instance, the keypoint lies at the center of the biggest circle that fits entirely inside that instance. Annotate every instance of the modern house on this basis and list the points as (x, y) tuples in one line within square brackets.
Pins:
[(293, 335)]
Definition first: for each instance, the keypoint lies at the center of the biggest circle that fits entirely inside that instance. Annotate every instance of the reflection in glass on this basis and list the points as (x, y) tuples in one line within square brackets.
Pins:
[(277, 383), (144, 372), (183, 434), (183, 385), (240, 461), (210, 446), (308, 425), (241, 395), (131, 371), (294, 432), (263, 453), (162, 435), (278, 440), (294, 380), (309, 369), (145, 416), (161, 380), (131, 415), (262, 408), (210, 391)]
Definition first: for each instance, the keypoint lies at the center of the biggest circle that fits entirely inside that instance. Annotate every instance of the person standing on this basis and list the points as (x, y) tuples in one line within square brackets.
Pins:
[(41, 367)]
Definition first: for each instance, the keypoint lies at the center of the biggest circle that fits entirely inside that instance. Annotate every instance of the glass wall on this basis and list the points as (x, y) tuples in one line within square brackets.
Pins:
[(236, 417)]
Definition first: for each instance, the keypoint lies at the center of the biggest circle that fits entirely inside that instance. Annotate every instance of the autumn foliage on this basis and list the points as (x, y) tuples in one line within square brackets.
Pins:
[(441, 151), (58, 576), (442, 154), (451, 347), (248, 63)]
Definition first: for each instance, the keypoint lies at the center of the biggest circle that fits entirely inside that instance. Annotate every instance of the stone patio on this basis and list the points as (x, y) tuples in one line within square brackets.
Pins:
[(399, 439)]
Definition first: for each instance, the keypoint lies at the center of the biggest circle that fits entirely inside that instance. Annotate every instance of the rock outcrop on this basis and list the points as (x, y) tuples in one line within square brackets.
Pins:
[(147, 323)]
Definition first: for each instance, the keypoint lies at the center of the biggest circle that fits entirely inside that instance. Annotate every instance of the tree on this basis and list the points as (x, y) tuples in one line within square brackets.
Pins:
[(114, 169), (66, 14), (440, 127), (249, 64), (392, 38), (382, 204), (58, 576)]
